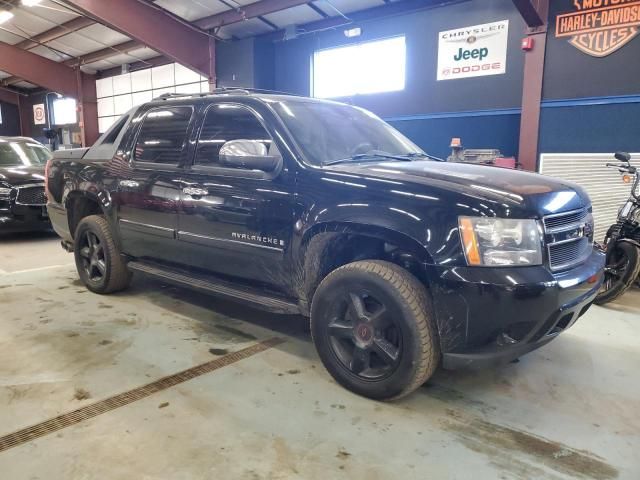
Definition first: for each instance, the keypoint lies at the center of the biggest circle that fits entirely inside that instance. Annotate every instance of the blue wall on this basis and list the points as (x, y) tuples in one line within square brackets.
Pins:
[(590, 104), (427, 111), (578, 113), (499, 129), (586, 126)]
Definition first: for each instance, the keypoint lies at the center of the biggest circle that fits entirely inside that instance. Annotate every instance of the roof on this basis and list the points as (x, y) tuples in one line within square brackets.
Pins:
[(19, 139)]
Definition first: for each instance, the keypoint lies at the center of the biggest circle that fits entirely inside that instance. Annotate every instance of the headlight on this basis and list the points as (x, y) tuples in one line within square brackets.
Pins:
[(500, 241), (5, 193)]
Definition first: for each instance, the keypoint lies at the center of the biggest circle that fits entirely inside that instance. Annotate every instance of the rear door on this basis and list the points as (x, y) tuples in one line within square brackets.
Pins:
[(235, 221), (149, 185)]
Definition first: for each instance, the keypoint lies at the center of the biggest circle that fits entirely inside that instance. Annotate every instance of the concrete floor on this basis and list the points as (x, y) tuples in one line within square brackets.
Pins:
[(568, 410)]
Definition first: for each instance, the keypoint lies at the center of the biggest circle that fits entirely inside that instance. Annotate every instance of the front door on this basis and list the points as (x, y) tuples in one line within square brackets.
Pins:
[(236, 222), (149, 188)]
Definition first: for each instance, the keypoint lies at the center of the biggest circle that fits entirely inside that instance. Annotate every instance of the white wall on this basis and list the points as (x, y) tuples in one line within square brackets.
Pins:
[(116, 95)]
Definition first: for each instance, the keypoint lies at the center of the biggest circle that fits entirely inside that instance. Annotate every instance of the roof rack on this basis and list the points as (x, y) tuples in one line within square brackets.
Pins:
[(222, 91)]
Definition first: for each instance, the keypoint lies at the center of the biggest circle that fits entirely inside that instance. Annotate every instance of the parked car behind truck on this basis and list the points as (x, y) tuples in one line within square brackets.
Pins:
[(311, 207), (22, 198)]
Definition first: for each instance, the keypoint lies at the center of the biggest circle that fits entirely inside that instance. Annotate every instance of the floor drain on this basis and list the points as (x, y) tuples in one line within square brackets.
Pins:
[(103, 406)]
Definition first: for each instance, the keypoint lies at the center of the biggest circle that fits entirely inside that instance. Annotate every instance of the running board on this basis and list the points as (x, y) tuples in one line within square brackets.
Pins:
[(212, 285)]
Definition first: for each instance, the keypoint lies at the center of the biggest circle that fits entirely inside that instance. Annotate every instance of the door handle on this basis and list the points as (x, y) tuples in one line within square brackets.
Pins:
[(195, 192), (129, 183)]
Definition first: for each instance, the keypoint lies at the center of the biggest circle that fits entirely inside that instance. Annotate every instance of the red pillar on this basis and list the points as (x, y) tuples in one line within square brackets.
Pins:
[(532, 92), (87, 108)]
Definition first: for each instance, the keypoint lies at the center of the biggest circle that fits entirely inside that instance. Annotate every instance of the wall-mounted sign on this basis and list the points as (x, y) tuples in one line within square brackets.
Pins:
[(39, 114), (473, 51), (600, 27)]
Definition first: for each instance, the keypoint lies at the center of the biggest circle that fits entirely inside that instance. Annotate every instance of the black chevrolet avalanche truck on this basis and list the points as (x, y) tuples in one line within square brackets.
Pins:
[(310, 207)]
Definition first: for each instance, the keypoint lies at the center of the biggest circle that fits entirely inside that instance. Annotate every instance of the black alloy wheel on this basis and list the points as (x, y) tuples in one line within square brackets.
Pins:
[(93, 257), (364, 336), (372, 325), (100, 266)]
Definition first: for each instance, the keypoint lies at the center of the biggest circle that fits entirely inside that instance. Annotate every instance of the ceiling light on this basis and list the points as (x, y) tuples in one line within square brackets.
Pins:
[(5, 16), (31, 3)]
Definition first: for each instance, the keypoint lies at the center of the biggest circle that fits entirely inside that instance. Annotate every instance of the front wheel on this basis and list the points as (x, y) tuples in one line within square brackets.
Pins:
[(623, 268), (373, 328), (98, 261)]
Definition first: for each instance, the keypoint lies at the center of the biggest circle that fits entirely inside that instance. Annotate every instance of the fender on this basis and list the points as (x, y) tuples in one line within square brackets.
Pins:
[(383, 233), (102, 198), (404, 225), (631, 241), (327, 245)]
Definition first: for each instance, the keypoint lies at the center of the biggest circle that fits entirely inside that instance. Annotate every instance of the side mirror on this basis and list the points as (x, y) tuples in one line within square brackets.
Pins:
[(623, 157), (249, 154)]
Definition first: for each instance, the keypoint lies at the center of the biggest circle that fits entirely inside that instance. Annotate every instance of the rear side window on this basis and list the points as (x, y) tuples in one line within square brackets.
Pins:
[(163, 135), (115, 131), (229, 122)]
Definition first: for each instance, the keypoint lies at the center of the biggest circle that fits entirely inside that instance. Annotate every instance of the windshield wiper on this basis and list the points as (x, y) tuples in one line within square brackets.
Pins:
[(368, 156), (424, 155)]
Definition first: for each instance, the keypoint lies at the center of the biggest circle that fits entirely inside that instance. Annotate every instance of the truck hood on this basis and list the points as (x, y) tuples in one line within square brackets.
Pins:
[(16, 176), (516, 191)]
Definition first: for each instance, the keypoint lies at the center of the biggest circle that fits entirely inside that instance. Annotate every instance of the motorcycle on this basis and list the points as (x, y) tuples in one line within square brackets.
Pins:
[(622, 242)]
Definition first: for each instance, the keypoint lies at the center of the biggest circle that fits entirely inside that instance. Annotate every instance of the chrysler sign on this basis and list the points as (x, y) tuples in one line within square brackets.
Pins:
[(473, 51)]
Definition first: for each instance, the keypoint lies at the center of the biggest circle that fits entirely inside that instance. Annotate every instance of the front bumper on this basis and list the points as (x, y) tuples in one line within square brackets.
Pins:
[(24, 218), (490, 316)]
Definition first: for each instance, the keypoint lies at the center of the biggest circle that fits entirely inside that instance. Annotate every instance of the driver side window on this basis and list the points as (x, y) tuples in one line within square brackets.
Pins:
[(225, 122)]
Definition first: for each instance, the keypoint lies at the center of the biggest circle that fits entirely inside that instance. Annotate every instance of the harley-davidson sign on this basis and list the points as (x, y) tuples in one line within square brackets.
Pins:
[(600, 27)]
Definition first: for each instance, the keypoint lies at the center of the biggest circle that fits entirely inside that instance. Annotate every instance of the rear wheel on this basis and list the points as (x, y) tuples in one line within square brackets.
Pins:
[(623, 268), (372, 325), (98, 261)]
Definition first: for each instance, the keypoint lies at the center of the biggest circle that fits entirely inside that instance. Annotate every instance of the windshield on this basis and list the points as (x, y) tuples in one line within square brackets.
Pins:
[(328, 132), (22, 154)]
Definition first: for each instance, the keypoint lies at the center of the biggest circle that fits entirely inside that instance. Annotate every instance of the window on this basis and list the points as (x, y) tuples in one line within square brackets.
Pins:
[(229, 122), (64, 111), (370, 67), (163, 135), (339, 131), (18, 154), (112, 136)]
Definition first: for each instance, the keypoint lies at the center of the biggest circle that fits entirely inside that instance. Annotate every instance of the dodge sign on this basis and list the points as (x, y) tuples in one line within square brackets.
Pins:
[(473, 51)]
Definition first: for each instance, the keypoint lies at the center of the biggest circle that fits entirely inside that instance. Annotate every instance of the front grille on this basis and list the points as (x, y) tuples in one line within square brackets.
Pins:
[(562, 220), (34, 196), (568, 254), (569, 238)]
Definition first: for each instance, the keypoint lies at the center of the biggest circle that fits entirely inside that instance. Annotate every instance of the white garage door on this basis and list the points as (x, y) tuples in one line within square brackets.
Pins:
[(603, 184)]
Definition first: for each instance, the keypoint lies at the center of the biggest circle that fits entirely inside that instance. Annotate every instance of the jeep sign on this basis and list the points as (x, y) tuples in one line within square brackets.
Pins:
[(473, 51)]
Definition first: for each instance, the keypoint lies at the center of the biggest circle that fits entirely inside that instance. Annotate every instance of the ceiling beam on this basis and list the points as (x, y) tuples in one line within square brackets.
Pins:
[(155, 28), (38, 70), (139, 65), (104, 53), (373, 13), (531, 12), (56, 32), (49, 35), (253, 10)]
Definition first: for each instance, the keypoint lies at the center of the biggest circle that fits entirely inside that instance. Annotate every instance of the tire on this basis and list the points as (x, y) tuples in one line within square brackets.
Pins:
[(393, 351), (98, 261), (612, 289)]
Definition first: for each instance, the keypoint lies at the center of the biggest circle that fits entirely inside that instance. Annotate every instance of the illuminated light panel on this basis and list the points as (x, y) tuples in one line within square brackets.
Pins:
[(364, 68)]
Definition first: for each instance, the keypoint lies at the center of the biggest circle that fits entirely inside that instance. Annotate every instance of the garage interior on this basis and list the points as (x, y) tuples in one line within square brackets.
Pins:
[(160, 381)]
